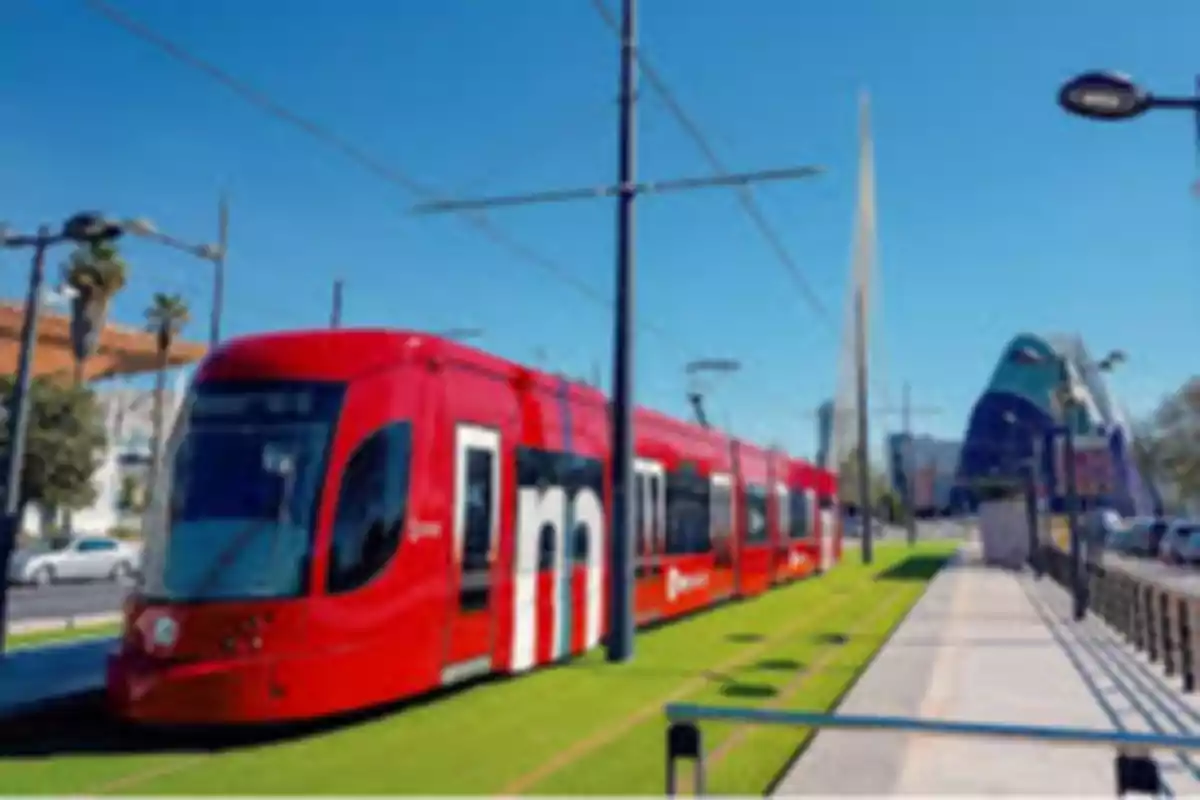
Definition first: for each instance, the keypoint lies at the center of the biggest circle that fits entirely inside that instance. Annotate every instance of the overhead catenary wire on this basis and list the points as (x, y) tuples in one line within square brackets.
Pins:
[(475, 219), (745, 194), (358, 155)]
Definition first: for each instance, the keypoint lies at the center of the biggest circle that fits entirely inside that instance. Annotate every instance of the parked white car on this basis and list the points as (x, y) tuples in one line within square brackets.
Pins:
[(82, 558)]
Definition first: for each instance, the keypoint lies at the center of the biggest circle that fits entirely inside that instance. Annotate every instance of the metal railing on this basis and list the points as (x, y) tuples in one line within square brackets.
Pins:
[(1156, 613), (1136, 770)]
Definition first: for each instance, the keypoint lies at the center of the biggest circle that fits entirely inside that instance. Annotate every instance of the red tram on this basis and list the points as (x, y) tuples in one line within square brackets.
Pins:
[(349, 518)]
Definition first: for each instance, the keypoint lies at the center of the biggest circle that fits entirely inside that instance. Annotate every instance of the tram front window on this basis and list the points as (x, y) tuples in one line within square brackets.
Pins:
[(234, 513)]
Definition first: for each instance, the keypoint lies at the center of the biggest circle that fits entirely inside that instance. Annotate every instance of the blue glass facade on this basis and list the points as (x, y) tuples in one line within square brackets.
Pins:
[(1018, 416)]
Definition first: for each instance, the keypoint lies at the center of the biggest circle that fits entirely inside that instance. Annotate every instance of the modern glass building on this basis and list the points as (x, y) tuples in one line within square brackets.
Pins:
[(1019, 422)]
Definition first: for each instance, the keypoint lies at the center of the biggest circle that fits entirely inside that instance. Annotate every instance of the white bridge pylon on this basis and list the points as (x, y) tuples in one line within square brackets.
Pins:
[(862, 279)]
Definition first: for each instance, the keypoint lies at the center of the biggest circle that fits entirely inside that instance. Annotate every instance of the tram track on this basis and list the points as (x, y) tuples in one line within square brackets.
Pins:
[(798, 682), (585, 747)]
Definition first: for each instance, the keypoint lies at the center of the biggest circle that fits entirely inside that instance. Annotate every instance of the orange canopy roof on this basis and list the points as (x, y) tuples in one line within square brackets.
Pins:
[(123, 350)]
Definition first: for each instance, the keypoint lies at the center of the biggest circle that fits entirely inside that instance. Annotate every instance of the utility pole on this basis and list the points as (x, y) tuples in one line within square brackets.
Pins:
[(620, 602), (864, 455), (335, 316), (218, 262), (82, 228), (910, 466), (619, 643)]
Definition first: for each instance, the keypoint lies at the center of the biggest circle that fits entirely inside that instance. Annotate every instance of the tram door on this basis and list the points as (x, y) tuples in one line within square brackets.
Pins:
[(477, 494), (782, 568)]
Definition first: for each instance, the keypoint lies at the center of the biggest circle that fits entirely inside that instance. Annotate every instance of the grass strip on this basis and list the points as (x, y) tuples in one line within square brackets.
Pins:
[(506, 733)]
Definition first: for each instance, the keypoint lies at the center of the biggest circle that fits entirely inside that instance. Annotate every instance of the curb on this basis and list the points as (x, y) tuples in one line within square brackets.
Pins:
[(77, 622)]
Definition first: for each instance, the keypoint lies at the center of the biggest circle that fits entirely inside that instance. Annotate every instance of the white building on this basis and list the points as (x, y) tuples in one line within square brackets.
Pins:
[(129, 426)]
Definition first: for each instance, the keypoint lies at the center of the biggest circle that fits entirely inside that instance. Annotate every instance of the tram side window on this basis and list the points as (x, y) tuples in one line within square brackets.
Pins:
[(477, 531), (722, 524), (687, 514), (756, 514), (642, 513), (654, 534), (371, 508), (798, 523)]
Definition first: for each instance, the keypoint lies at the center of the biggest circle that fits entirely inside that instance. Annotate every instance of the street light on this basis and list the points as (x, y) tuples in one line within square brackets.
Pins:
[(215, 254), (1110, 362), (1112, 97), (82, 228)]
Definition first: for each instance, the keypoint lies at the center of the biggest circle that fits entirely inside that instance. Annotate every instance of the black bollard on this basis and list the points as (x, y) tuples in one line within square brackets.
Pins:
[(1168, 645), (1187, 653), (684, 741)]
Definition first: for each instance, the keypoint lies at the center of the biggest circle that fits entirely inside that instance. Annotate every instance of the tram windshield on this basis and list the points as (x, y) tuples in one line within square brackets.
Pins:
[(233, 514)]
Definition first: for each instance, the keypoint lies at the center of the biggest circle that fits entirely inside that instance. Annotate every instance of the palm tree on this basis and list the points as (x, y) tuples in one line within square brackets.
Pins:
[(95, 273), (165, 318)]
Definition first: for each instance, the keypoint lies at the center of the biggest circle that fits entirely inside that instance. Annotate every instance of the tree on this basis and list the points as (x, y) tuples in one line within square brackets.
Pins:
[(96, 272), (165, 318), (66, 442), (129, 498), (1167, 445)]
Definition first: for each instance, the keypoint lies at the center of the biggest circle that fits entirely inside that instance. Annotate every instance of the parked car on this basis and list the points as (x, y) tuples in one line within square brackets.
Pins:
[(80, 558), (1180, 544), (1141, 537)]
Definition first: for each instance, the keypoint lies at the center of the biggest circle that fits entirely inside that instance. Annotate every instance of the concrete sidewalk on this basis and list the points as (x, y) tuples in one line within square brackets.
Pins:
[(982, 645)]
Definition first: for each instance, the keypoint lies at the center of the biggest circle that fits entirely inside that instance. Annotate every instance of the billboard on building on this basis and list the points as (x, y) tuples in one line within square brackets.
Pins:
[(1094, 468)]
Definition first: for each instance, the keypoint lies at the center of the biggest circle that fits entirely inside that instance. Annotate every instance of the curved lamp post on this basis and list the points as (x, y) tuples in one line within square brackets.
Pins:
[(214, 254), (1113, 97), (82, 228)]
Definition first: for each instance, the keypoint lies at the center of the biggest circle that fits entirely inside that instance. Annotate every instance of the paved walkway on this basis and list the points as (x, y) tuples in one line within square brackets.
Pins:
[(992, 646)]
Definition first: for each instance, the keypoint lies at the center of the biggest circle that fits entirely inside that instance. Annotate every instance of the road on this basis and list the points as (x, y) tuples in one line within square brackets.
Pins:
[(56, 602), (1179, 579)]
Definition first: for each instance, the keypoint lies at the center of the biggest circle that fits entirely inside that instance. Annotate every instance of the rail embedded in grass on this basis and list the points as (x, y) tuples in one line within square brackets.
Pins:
[(485, 738)]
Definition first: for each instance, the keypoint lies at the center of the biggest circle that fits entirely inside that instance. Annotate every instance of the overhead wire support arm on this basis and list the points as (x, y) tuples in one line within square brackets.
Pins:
[(653, 187)]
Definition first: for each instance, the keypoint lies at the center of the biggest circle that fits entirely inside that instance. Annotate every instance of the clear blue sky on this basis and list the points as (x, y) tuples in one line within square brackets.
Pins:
[(997, 212)]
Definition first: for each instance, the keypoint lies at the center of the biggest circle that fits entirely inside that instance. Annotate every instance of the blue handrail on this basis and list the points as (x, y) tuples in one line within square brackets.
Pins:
[(684, 712)]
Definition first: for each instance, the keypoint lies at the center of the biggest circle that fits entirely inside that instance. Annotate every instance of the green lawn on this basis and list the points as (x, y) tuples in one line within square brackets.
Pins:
[(52, 637), (584, 728)]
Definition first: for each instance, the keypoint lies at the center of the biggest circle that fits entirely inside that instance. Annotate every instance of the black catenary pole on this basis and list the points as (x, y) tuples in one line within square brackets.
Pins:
[(218, 262), (864, 453), (619, 642), (910, 467), (620, 636)]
